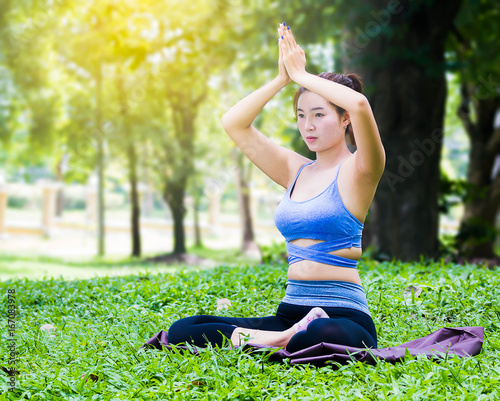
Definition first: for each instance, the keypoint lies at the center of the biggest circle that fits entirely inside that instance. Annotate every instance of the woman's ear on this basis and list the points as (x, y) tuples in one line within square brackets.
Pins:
[(346, 119)]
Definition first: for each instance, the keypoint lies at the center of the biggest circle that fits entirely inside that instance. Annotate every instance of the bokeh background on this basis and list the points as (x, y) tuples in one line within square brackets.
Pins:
[(110, 135)]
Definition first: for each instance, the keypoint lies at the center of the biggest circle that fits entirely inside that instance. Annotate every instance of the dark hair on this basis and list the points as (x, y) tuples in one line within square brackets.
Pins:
[(352, 81)]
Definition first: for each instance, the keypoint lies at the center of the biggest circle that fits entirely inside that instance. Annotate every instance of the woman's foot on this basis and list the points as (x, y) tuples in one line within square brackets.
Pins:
[(314, 313)]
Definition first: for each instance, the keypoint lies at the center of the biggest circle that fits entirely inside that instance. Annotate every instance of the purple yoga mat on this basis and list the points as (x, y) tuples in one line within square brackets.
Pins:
[(445, 342)]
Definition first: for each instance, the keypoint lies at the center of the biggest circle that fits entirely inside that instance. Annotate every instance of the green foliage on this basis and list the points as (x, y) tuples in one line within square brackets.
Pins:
[(474, 230), (102, 322), (274, 253), (453, 192), (473, 45), (17, 202), (157, 57)]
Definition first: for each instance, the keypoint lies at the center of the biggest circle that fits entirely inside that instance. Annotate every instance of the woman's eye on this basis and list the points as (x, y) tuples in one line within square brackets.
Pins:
[(319, 114), (301, 115)]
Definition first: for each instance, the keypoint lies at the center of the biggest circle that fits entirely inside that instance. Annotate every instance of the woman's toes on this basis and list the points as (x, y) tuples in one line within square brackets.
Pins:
[(314, 313)]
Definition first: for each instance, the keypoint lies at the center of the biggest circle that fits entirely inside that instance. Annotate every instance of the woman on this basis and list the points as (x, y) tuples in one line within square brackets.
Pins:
[(321, 215)]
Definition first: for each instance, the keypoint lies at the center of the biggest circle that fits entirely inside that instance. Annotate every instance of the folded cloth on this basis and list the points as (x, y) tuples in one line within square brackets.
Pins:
[(443, 343)]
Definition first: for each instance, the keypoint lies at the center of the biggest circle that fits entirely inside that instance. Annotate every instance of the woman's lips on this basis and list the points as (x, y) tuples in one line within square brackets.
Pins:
[(311, 138)]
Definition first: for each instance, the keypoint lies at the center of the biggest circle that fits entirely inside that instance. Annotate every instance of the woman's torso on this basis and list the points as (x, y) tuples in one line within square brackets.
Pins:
[(309, 184), (311, 270)]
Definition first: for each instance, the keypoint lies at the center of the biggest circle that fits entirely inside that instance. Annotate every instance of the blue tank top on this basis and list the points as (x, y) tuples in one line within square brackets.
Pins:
[(323, 217)]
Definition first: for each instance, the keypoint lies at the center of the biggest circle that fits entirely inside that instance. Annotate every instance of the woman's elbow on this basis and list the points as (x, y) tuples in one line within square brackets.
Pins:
[(223, 120), (380, 165), (226, 122), (362, 103)]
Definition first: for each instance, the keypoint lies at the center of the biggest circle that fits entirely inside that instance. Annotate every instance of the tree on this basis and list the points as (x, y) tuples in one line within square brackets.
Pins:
[(132, 156), (187, 63), (398, 49), (26, 48), (35, 86), (86, 44), (115, 30), (475, 47)]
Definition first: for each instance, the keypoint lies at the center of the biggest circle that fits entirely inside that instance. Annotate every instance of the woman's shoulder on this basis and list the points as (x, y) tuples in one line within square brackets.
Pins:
[(296, 167), (357, 191)]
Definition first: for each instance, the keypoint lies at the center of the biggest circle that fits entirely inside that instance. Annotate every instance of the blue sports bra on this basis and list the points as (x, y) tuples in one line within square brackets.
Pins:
[(323, 217)]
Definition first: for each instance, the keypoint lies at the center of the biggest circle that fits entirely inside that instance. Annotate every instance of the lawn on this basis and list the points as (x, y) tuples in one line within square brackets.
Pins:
[(101, 323)]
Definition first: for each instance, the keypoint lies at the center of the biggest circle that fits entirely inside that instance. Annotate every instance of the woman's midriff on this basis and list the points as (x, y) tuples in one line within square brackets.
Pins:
[(310, 270)]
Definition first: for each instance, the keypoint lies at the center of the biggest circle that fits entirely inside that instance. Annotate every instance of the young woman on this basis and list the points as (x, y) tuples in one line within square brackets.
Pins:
[(321, 214)]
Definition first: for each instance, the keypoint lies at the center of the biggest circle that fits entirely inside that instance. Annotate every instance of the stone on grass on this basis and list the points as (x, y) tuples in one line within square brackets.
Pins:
[(223, 303), (48, 329)]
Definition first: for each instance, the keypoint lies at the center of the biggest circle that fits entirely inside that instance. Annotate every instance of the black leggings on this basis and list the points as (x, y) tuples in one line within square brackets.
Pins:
[(346, 326)]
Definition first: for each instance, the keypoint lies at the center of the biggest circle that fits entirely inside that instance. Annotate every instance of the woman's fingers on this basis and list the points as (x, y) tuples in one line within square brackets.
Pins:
[(280, 32), (293, 55), (289, 39), (282, 71), (280, 46), (290, 35), (286, 39), (288, 45)]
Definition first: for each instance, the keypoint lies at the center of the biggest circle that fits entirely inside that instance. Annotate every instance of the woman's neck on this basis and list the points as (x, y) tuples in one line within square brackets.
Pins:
[(332, 157)]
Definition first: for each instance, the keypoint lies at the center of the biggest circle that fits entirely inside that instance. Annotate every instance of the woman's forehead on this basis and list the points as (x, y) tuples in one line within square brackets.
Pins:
[(310, 100)]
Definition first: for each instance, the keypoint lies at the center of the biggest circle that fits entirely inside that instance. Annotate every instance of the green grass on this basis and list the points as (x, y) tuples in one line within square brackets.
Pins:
[(43, 267), (48, 267), (102, 322)]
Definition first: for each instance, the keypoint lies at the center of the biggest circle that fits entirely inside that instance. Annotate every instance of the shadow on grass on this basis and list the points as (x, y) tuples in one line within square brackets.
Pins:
[(41, 267)]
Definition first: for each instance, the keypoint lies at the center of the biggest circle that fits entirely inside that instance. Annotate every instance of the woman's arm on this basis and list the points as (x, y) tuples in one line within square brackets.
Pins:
[(278, 163), (370, 154), (243, 113)]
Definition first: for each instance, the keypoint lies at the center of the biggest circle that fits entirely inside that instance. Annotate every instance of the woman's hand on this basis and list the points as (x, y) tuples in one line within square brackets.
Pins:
[(292, 54), (282, 74)]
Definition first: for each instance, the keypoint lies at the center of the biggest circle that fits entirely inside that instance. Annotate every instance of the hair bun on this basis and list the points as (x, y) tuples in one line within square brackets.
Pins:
[(356, 82)]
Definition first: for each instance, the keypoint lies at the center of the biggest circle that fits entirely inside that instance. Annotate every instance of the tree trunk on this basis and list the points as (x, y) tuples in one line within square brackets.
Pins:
[(248, 237), (60, 190), (477, 231), (174, 196), (196, 214), (100, 162), (149, 197), (134, 201), (182, 165), (400, 57), (135, 211), (248, 244)]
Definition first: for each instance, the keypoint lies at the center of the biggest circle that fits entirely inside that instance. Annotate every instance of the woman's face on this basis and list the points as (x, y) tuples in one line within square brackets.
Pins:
[(319, 123)]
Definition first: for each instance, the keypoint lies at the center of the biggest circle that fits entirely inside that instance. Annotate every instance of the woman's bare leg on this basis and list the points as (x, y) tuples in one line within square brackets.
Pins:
[(262, 337), (275, 338)]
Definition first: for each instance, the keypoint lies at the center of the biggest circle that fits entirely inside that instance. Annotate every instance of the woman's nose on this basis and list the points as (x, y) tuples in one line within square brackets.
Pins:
[(309, 125)]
